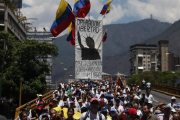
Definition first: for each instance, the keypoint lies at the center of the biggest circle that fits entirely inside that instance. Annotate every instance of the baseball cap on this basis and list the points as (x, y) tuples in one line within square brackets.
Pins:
[(101, 101), (131, 111), (94, 99), (51, 104), (40, 95), (173, 97), (112, 109)]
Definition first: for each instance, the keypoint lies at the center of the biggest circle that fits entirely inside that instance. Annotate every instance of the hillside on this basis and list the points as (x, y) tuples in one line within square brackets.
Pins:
[(115, 49), (172, 34)]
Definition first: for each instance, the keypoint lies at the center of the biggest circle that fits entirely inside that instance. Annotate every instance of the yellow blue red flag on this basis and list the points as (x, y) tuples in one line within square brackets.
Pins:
[(106, 7), (64, 16), (105, 36), (81, 9)]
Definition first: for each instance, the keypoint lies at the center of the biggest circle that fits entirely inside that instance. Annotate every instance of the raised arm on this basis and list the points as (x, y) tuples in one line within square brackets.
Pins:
[(79, 40)]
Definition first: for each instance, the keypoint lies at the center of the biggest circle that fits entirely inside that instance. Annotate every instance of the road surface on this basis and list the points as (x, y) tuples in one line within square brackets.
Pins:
[(160, 97)]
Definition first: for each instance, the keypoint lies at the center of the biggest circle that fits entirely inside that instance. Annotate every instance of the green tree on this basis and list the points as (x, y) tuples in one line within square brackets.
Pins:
[(27, 63)]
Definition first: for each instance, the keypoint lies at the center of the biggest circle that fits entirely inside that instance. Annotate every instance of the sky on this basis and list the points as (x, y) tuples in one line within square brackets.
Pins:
[(122, 11)]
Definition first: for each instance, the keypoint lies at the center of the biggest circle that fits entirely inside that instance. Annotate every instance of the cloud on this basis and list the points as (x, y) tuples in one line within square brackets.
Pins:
[(115, 14), (163, 10)]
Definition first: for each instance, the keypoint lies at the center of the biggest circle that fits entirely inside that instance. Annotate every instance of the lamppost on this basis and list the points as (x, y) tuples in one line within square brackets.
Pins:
[(143, 81)]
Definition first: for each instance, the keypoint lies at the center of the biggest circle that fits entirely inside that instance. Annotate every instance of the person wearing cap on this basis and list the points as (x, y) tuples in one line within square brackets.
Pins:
[(147, 115), (113, 113), (44, 113), (39, 100), (93, 113), (128, 114), (173, 102), (167, 114)]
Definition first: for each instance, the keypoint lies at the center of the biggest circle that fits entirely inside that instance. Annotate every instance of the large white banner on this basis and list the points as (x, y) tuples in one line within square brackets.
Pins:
[(88, 53)]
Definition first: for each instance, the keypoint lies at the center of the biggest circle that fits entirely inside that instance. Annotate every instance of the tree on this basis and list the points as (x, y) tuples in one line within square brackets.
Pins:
[(27, 63)]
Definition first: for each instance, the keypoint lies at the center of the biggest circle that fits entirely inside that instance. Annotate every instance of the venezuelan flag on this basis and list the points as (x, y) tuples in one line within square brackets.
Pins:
[(64, 16), (71, 33), (119, 81), (105, 36), (105, 7), (81, 8)]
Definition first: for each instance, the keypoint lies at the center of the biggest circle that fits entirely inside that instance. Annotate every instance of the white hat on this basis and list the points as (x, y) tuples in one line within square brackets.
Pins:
[(173, 97), (40, 95)]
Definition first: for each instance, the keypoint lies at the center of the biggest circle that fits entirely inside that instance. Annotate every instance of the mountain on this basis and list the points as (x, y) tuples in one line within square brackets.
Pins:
[(115, 49), (172, 34)]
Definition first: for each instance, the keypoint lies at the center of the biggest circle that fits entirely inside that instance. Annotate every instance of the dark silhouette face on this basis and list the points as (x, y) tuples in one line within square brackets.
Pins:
[(90, 42)]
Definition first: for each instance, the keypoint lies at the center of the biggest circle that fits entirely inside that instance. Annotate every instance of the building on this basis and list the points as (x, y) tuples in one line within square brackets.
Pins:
[(163, 55), (10, 22), (143, 57), (43, 36)]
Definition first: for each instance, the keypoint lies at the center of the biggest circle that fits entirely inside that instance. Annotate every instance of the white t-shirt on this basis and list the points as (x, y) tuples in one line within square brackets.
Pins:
[(92, 116), (139, 113), (120, 108), (150, 98)]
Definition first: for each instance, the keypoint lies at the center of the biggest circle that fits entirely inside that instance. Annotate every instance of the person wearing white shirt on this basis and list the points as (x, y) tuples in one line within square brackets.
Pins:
[(93, 113), (149, 97)]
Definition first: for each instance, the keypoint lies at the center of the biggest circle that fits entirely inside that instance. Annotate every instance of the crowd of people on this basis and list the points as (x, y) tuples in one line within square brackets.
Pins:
[(101, 100)]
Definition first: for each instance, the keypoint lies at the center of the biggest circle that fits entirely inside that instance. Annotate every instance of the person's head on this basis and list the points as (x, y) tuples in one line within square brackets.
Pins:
[(23, 115), (176, 116), (148, 91), (94, 104), (83, 109), (146, 109), (117, 100), (113, 113), (136, 106), (131, 114), (162, 107), (80, 102), (143, 95), (45, 116), (28, 106), (101, 103), (70, 112), (55, 102), (52, 113), (51, 104), (167, 111), (173, 99), (40, 96)]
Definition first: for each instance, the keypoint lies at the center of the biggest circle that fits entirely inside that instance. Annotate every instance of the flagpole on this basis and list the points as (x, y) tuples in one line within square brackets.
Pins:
[(100, 44)]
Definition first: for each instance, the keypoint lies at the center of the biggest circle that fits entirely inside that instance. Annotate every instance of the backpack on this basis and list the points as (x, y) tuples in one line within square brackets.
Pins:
[(87, 115)]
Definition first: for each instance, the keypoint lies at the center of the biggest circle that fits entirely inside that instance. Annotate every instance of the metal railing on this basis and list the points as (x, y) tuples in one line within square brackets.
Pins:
[(46, 97), (170, 90)]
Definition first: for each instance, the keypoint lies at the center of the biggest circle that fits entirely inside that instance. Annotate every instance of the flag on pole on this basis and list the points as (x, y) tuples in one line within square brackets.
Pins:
[(105, 36), (64, 16), (106, 8), (81, 9), (120, 81)]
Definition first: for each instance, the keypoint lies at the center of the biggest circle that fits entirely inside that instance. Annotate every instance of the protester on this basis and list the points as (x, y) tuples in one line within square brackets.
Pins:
[(93, 113)]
